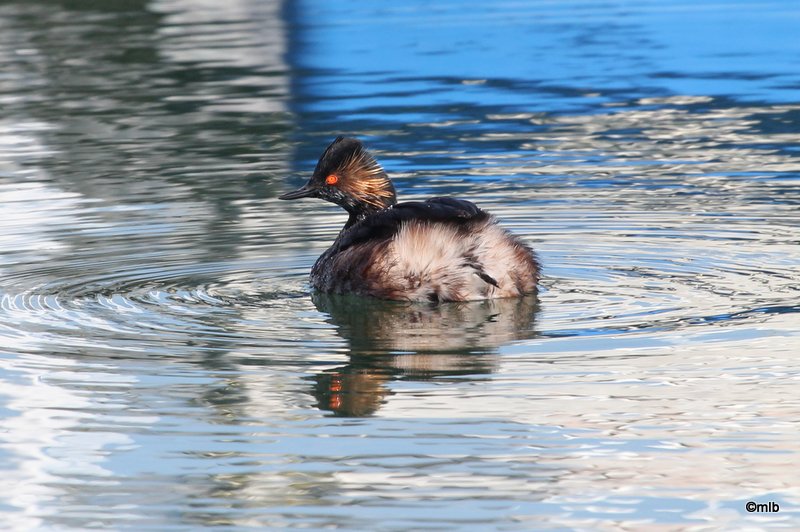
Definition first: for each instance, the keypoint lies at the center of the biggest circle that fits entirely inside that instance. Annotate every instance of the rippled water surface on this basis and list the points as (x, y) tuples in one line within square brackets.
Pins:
[(164, 365)]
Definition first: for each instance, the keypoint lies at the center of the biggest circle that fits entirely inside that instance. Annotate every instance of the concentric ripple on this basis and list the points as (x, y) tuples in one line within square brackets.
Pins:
[(168, 305), (605, 275), (648, 278)]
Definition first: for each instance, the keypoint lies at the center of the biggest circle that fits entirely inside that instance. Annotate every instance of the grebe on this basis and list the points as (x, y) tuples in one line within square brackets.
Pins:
[(442, 249)]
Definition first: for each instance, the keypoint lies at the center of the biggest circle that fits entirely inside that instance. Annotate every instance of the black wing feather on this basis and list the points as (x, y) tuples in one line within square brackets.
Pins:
[(387, 222)]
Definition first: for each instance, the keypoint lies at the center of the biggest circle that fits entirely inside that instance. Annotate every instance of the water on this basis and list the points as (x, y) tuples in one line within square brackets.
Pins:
[(165, 366)]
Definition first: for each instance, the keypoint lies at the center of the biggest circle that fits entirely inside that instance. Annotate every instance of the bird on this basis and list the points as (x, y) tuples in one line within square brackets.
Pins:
[(443, 249)]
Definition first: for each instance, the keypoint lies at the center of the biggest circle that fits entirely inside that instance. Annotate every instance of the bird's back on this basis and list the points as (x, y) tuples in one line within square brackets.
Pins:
[(442, 249)]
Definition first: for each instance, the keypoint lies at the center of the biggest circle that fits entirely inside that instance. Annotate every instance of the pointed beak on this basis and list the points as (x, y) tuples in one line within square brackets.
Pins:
[(305, 191)]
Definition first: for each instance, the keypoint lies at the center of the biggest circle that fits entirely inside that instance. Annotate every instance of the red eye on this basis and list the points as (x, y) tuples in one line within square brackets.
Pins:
[(332, 179)]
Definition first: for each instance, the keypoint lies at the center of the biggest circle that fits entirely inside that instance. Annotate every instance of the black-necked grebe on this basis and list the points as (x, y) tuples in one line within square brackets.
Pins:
[(442, 249)]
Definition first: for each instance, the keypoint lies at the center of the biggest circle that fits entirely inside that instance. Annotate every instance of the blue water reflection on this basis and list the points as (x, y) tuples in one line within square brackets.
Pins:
[(538, 56)]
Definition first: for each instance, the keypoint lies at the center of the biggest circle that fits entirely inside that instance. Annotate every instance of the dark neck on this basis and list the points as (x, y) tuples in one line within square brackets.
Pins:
[(371, 197), (359, 211)]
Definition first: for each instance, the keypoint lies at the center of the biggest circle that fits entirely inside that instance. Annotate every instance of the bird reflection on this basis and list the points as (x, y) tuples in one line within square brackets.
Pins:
[(420, 341)]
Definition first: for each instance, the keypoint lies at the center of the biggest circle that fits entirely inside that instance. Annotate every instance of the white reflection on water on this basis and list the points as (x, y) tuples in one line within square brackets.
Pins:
[(47, 432)]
